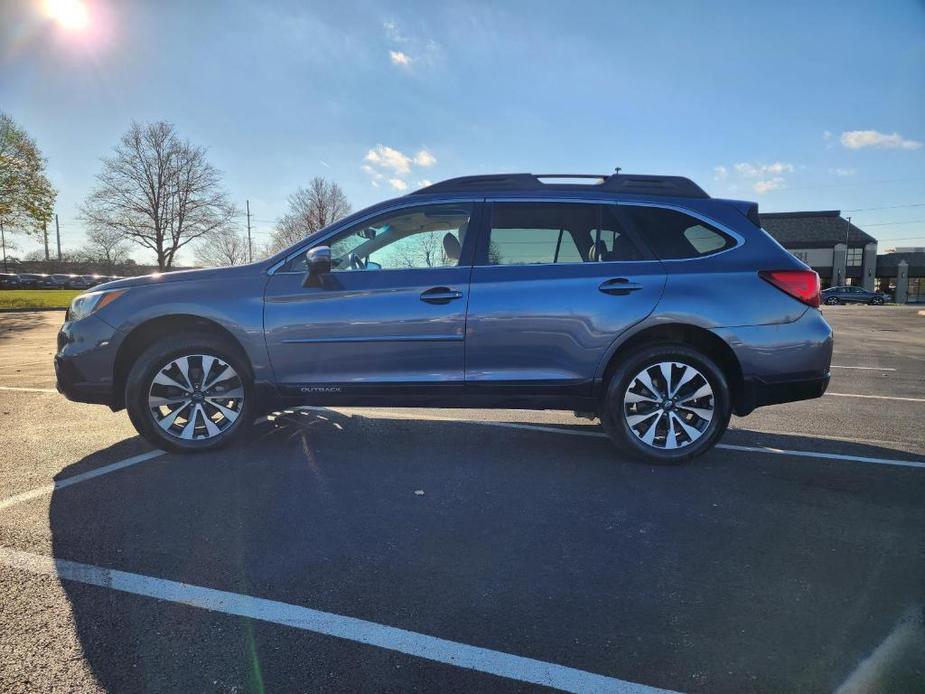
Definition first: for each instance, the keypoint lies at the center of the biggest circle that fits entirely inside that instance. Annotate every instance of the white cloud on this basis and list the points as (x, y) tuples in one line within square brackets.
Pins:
[(858, 139), (775, 183), (384, 164), (393, 32), (424, 182), (389, 158), (826, 135), (761, 170), (425, 158), (843, 172), (720, 173), (400, 58)]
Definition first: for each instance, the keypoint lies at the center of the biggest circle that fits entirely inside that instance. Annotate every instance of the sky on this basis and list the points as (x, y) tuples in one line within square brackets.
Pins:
[(795, 105)]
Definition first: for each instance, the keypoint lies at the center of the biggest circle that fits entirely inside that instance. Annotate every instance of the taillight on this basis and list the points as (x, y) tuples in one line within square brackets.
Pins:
[(802, 285)]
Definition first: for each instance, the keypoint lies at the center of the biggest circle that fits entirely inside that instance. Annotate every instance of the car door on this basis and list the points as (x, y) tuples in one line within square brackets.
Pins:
[(392, 311), (554, 283)]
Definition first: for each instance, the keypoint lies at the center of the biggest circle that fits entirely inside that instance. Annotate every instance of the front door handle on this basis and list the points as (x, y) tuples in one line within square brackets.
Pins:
[(440, 295), (619, 286)]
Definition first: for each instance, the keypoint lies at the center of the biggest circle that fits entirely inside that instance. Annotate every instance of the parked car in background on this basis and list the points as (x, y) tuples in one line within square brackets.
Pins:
[(853, 295), (638, 299), (9, 280), (35, 280), (82, 282), (62, 280)]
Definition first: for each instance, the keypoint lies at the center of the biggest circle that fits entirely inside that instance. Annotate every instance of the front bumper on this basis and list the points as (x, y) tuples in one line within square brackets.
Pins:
[(85, 359)]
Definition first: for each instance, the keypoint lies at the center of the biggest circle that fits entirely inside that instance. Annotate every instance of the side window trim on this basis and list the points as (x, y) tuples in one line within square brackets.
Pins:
[(466, 253), (739, 239)]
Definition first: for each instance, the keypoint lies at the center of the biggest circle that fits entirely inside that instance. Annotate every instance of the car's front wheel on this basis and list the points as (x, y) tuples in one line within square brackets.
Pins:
[(190, 394), (877, 301), (666, 404)]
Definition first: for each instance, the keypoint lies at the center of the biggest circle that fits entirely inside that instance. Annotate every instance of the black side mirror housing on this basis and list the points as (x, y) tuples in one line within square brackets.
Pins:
[(318, 262)]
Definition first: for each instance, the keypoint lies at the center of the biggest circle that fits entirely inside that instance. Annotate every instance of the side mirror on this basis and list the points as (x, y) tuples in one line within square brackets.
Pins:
[(318, 262)]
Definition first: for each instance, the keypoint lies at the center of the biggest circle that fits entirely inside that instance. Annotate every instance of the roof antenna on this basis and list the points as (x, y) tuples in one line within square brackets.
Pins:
[(617, 170)]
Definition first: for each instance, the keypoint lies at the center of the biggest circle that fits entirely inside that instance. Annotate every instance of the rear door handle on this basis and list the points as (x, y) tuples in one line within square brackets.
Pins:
[(618, 286), (440, 295)]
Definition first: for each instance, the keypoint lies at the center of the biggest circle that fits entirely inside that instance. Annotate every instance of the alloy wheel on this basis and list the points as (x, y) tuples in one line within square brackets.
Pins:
[(669, 405), (196, 397)]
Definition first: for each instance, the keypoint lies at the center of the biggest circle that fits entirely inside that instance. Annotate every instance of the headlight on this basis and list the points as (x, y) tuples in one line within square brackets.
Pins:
[(85, 304)]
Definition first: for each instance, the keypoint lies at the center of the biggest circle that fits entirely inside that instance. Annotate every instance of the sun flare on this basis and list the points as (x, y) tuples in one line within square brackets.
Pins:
[(70, 15)]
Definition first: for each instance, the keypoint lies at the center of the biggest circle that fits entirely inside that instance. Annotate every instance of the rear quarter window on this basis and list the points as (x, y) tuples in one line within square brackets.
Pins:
[(674, 235)]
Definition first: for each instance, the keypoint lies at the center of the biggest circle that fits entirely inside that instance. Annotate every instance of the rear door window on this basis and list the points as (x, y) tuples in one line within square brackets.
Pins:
[(674, 235), (541, 233)]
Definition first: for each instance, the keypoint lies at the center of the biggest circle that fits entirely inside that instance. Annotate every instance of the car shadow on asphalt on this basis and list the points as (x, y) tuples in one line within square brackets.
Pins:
[(529, 542)]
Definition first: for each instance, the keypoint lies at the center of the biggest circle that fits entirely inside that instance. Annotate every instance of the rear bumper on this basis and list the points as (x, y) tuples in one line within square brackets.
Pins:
[(781, 362), (758, 393)]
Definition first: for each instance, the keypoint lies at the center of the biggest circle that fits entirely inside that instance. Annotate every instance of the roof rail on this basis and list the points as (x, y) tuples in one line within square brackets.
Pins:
[(636, 184)]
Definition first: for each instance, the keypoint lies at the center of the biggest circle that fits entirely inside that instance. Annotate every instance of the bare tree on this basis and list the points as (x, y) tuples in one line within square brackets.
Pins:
[(106, 247), (221, 248), (27, 198), (421, 250), (310, 209), (158, 191)]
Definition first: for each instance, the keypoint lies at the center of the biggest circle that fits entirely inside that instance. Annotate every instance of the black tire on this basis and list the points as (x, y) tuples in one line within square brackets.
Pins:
[(832, 301), (613, 405), (876, 301), (148, 366)]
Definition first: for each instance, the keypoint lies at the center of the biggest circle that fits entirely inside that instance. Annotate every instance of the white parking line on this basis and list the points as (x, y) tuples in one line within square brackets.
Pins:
[(76, 479), (875, 397), (29, 390), (863, 368), (411, 643), (385, 414)]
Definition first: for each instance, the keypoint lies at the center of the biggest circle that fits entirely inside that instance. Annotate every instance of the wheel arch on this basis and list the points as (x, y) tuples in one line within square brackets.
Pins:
[(679, 333), (143, 334)]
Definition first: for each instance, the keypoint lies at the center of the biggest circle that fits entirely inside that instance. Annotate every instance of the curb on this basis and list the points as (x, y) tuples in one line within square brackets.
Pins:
[(30, 310)]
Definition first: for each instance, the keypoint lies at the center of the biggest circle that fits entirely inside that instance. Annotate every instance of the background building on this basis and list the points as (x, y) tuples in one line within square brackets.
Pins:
[(839, 252)]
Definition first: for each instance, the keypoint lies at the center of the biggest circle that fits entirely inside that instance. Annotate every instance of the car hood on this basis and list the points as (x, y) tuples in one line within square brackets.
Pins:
[(159, 278)]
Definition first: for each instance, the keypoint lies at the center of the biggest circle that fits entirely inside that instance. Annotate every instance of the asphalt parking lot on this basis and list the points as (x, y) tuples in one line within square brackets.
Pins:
[(445, 550)]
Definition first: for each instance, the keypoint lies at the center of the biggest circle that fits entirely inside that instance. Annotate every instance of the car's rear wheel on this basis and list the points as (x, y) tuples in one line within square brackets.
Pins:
[(832, 301), (190, 394), (666, 404)]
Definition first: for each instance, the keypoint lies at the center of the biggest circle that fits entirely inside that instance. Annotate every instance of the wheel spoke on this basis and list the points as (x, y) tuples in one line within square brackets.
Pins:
[(159, 401), (211, 428), (164, 380), (633, 398), (635, 419), (646, 380), (687, 375), (665, 367), (701, 392), (671, 437), (649, 436), (230, 414), (688, 429), (223, 375), (183, 364), (166, 422), (207, 362), (699, 411)]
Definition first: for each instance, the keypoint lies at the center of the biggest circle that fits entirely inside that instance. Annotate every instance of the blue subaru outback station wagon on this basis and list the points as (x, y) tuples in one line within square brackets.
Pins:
[(637, 298)]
